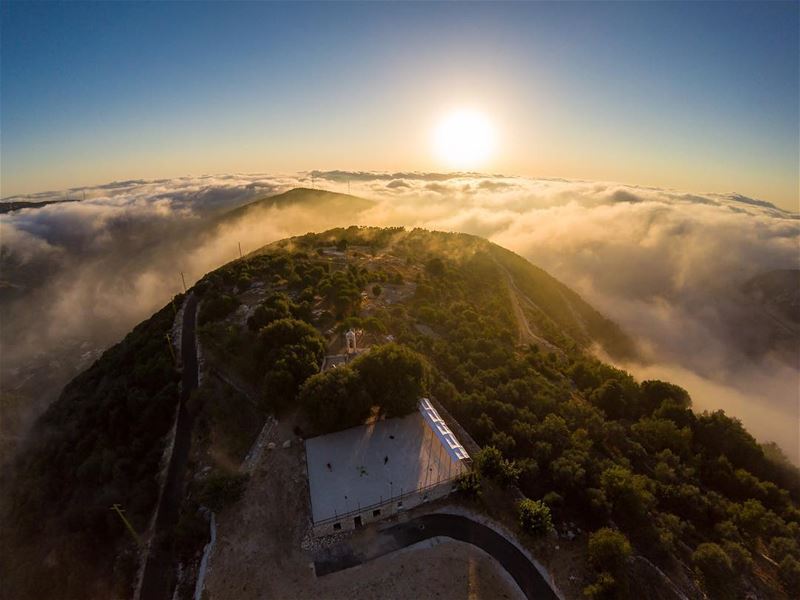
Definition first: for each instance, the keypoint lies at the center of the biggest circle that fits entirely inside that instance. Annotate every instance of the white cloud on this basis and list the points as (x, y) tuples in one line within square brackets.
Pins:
[(665, 264)]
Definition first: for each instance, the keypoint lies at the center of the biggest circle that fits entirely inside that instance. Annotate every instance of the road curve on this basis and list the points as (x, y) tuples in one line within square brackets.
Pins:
[(457, 527)]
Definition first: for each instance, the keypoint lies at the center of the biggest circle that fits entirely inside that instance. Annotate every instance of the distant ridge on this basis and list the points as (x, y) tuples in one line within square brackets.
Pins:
[(7, 207), (306, 197)]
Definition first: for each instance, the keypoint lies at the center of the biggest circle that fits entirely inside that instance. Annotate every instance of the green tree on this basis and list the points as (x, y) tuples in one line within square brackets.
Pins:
[(611, 399), (781, 547), (490, 463), (608, 550), (714, 567), (789, 572), (568, 469), (394, 377), (628, 493), (290, 351), (277, 306), (216, 307), (654, 393), (335, 400), (469, 482), (534, 517), (604, 588), (660, 434), (435, 267), (376, 290)]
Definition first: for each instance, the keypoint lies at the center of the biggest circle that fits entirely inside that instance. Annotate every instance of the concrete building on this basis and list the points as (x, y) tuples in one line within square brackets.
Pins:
[(371, 472)]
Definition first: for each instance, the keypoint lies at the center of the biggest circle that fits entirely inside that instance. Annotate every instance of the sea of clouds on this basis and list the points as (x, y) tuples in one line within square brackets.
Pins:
[(666, 265)]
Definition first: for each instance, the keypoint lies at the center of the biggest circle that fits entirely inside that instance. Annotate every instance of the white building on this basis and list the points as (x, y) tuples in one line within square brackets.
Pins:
[(370, 472)]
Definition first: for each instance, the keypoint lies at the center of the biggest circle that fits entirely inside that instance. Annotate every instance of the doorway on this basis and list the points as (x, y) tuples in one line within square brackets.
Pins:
[(357, 522)]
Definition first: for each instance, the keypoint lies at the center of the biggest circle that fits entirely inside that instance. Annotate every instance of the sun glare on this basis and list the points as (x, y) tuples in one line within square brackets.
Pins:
[(464, 139)]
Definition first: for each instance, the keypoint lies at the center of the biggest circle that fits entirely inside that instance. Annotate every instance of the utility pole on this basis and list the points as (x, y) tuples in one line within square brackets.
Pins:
[(348, 187), (184, 282), (312, 181), (116, 508), (240, 250)]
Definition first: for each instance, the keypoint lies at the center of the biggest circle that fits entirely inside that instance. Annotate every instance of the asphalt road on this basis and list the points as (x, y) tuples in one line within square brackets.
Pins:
[(457, 527), (158, 572)]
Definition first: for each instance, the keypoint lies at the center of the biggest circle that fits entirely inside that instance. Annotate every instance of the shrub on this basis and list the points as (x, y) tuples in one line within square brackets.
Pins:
[(740, 556), (216, 308), (277, 306), (490, 462), (553, 499), (714, 567), (789, 572), (534, 516), (435, 267), (469, 483), (376, 290), (220, 490), (608, 550), (780, 547), (604, 588)]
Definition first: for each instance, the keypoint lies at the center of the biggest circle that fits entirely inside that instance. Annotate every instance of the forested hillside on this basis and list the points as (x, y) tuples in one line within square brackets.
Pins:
[(502, 345), (99, 444)]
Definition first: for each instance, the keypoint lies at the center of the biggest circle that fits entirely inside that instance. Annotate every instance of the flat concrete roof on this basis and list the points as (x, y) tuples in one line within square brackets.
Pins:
[(373, 463)]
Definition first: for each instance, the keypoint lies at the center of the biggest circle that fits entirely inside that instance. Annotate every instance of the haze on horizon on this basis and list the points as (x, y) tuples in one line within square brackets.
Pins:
[(696, 96)]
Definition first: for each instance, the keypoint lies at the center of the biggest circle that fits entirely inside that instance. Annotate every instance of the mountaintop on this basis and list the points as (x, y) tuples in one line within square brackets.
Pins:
[(505, 348)]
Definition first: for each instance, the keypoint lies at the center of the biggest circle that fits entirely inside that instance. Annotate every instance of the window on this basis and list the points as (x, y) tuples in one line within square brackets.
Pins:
[(337, 526), (376, 512), (357, 521), (400, 504)]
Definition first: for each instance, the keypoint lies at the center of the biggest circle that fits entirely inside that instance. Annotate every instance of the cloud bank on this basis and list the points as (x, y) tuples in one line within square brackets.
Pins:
[(667, 265)]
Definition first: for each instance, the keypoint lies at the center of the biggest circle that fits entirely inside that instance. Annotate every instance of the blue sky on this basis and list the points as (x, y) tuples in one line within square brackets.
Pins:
[(692, 96)]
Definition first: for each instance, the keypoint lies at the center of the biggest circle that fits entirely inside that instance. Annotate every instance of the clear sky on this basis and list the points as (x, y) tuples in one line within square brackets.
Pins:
[(685, 95)]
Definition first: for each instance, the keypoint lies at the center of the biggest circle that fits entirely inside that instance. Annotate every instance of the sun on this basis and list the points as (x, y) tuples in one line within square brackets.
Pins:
[(464, 139)]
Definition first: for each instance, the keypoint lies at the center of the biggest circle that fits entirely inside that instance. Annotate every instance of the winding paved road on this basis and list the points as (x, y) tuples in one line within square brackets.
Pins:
[(157, 576), (457, 527)]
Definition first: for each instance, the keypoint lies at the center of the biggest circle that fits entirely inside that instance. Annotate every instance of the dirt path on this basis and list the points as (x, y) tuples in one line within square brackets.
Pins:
[(526, 335)]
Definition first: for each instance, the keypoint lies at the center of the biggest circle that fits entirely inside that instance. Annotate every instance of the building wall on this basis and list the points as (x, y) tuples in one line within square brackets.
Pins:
[(387, 509)]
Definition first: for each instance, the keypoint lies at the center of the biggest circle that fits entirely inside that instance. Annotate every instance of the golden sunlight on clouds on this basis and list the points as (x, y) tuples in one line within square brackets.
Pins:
[(464, 140)]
